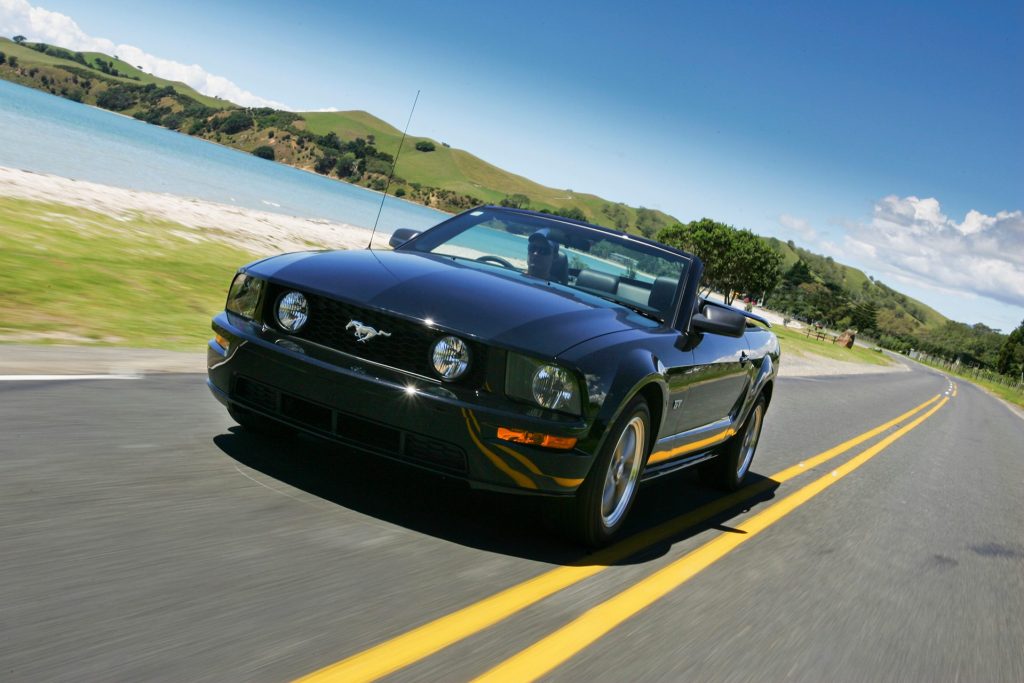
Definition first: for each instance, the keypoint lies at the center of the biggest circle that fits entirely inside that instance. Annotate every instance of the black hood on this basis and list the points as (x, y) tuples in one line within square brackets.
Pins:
[(483, 302)]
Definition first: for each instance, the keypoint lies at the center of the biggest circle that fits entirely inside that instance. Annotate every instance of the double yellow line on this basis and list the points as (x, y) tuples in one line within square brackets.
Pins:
[(419, 643)]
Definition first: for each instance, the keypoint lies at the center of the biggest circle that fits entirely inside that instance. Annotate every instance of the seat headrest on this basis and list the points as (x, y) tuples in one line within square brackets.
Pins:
[(663, 292), (595, 279)]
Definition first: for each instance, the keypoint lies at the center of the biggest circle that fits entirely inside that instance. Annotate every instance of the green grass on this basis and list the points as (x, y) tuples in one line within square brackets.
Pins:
[(72, 274), (27, 57), (1011, 394), (455, 169), (796, 341)]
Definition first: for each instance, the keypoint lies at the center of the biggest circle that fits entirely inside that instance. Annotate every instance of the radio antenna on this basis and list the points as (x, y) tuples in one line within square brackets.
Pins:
[(393, 167)]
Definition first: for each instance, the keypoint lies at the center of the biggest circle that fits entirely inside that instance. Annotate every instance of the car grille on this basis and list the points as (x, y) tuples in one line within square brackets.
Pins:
[(407, 348), (349, 428)]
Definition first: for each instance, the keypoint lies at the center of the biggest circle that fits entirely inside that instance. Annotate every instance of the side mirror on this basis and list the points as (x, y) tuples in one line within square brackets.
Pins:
[(401, 236), (718, 320)]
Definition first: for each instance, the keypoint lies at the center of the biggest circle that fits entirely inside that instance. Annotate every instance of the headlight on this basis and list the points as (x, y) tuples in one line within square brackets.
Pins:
[(450, 357), (244, 295), (292, 311), (545, 384)]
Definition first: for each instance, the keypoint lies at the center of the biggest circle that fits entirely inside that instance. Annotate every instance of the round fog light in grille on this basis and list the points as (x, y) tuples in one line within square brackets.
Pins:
[(450, 357), (292, 311)]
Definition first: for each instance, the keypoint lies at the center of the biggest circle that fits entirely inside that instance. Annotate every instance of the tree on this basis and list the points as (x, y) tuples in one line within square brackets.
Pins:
[(757, 265), (711, 242), (264, 152), (19, 39), (236, 122), (734, 260), (325, 164), (116, 98), (425, 146), (516, 201), (13, 61), (1011, 354), (3, 58), (798, 274), (865, 316)]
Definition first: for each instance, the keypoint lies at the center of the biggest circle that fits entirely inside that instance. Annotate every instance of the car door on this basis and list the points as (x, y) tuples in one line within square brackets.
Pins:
[(715, 383)]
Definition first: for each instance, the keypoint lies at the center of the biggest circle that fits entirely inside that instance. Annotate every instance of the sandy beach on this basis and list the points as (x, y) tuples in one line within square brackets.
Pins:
[(260, 232)]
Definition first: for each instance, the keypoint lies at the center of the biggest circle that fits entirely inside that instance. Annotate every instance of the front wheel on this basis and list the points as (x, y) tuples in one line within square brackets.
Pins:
[(604, 499), (728, 470)]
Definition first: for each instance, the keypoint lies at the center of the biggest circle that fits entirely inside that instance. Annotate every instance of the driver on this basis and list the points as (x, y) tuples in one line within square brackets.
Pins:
[(540, 255)]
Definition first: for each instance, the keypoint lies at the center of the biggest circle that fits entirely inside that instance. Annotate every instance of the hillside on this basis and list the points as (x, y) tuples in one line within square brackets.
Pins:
[(897, 313), (461, 172), (56, 64)]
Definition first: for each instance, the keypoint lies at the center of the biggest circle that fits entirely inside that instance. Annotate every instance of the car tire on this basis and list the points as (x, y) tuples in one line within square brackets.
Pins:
[(730, 467), (606, 496), (254, 422)]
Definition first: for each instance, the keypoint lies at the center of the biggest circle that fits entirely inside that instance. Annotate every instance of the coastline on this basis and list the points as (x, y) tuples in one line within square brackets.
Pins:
[(261, 232)]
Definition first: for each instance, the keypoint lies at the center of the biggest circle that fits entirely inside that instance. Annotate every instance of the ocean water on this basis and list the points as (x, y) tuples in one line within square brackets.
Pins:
[(49, 134)]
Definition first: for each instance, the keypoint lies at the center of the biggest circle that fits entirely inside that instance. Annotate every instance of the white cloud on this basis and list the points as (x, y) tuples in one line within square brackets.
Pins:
[(42, 25), (983, 255), (801, 227)]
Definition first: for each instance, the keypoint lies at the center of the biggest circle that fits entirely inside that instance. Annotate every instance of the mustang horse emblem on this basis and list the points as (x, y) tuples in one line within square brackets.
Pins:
[(365, 332)]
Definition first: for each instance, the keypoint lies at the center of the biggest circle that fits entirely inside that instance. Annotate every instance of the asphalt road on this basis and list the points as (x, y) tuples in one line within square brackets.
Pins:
[(144, 537)]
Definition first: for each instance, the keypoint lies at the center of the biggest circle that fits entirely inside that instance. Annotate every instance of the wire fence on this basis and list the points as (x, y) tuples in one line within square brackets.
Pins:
[(1015, 384)]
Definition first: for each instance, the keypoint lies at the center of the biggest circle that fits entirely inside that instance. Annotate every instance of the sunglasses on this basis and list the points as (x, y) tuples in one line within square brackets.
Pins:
[(540, 249)]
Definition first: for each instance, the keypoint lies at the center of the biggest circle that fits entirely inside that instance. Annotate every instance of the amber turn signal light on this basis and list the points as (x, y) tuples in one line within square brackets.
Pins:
[(536, 438), (221, 340)]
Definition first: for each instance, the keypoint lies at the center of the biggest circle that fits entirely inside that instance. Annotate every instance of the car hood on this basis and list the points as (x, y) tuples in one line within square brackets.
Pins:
[(494, 306)]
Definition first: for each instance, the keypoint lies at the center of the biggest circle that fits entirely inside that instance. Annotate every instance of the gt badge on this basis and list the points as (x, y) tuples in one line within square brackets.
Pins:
[(365, 333)]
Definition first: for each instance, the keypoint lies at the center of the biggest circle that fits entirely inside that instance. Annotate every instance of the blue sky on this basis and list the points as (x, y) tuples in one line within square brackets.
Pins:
[(869, 132)]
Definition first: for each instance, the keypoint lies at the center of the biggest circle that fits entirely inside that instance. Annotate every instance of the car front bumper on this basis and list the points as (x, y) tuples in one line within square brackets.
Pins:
[(390, 413)]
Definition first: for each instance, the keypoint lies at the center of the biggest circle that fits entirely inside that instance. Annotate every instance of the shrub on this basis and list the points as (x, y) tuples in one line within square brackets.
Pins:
[(264, 152), (325, 164), (116, 98), (378, 184), (236, 122), (3, 58), (516, 201), (13, 61), (174, 121), (400, 192), (425, 146), (377, 166)]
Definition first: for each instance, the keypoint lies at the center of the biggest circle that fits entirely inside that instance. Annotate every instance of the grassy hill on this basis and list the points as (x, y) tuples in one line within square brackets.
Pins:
[(461, 172), (897, 314), (56, 69)]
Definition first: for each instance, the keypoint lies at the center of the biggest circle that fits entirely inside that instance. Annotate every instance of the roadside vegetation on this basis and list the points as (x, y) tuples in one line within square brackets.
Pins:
[(1005, 380), (796, 341), (70, 275)]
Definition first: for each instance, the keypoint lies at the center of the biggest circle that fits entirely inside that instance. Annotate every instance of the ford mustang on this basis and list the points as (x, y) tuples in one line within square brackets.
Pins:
[(515, 350)]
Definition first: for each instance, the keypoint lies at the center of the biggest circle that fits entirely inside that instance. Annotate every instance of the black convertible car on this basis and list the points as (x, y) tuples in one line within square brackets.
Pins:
[(516, 350)]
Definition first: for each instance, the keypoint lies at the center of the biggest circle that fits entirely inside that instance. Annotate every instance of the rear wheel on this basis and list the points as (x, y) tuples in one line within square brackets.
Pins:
[(254, 422), (604, 499), (728, 470)]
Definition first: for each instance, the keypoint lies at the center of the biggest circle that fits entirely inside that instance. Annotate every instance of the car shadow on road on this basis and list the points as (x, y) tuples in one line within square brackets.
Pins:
[(446, 508)]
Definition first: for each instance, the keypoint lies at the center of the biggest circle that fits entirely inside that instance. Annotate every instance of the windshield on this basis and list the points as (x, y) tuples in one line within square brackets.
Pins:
[(615, 267)]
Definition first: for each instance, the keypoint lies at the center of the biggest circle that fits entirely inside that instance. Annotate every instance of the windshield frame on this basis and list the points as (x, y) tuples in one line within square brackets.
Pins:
[(577, 232)]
